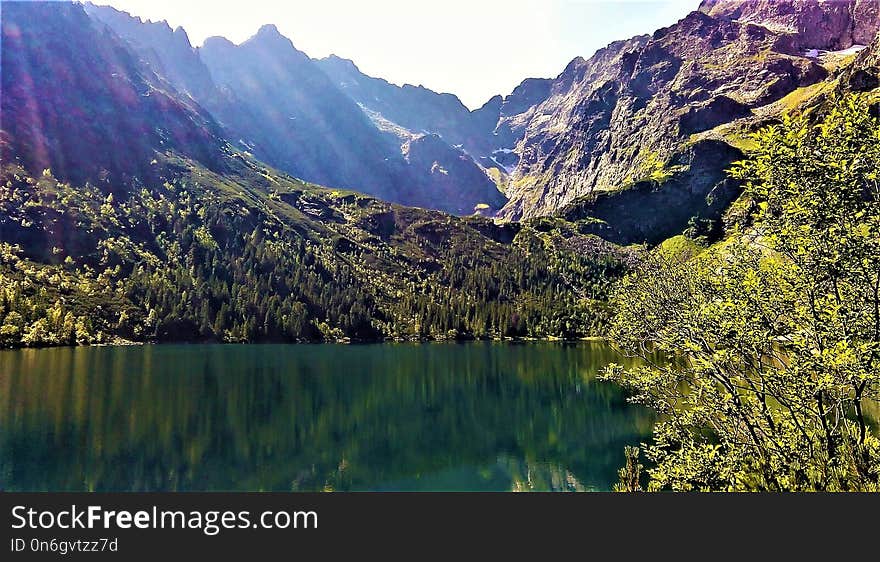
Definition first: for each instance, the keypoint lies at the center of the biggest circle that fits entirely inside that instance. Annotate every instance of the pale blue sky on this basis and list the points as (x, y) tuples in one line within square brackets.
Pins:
[(472, 48)]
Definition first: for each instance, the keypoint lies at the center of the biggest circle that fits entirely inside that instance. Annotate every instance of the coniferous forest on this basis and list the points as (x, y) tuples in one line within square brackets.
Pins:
[(259, 257)]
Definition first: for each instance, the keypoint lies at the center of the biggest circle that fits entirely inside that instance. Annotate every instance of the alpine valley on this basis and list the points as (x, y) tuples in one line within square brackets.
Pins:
[(154, 191)]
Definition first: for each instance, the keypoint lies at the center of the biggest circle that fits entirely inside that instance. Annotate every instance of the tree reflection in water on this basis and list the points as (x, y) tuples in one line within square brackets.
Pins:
[(478, 416)]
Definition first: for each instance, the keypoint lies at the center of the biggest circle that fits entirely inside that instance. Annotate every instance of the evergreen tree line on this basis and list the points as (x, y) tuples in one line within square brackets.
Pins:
[(188, 262)]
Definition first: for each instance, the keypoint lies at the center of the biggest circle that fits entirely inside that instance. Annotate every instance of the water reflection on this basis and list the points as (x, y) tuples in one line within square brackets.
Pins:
[(476, 416)]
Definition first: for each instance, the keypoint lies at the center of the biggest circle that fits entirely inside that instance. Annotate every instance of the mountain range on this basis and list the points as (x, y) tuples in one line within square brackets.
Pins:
[(296, 114), (108, 121), (129, 212), (591, 142)]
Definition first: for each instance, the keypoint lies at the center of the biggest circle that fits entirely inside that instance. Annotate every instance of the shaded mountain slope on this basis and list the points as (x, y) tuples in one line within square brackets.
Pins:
[(442, 170), (276, 103), (316, 132), (169, 53), (514, 114), (294, 117), (415, 108), (76, 101), (488, 133)]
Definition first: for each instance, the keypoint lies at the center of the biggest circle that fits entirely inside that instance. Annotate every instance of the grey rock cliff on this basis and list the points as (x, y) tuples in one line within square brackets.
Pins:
[(641, 120)]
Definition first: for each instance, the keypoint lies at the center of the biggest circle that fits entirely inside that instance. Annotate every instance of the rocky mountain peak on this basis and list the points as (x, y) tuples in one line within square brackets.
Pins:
[(268, 30), (217, 42), (494, 103), (268, 36), (574, 64), (341, 62), (182, 37), (529, 93), (818, 24), (651, 107)]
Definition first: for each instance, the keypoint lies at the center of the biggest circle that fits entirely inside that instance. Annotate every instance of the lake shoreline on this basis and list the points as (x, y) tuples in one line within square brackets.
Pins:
[(120, 342)]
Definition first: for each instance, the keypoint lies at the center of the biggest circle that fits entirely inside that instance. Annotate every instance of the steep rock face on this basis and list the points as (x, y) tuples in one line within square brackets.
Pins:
[(863, 75), (443, 170), (650, 212), (169, 53), (289, 114), (482, 123), (488, 133), (447, 148), (77, 102), (626, 115), (527, 95), (415, 108), (870, 56), (514, 115), (818, 24)]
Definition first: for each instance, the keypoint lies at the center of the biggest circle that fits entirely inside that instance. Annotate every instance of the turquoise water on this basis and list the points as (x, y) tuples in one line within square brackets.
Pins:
[(476, 416)]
